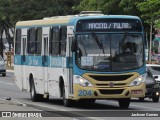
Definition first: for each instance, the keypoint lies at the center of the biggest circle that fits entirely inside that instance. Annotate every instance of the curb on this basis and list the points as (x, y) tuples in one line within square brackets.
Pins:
[(10, 71)]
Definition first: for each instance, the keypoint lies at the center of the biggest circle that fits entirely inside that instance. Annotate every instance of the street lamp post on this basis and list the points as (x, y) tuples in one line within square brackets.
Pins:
[(150, 43)]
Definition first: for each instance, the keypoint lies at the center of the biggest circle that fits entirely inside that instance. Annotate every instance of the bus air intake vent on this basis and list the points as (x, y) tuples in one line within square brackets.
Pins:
[(109, 92), (115, 84), (111, 78)]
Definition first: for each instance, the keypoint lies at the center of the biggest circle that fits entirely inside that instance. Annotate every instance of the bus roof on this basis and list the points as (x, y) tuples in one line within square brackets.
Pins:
[(68, 20)]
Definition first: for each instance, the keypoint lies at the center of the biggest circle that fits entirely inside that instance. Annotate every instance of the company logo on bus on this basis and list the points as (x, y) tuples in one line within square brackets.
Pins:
[(111, 84)]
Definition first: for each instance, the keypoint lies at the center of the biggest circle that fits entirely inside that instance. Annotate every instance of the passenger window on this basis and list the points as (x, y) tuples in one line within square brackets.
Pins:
[(31, 41), (18, 42), (38, 42), (54, 41), (63, 37), (58, 41)]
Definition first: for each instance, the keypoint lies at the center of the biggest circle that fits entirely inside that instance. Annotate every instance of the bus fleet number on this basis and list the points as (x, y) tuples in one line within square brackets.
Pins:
[(84, 93)]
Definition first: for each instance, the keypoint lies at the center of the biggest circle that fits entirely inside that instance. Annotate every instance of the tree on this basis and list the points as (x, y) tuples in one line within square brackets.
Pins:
[(38, 9), (130, 7), (150, 12), (118, 7), (12, 11), (157, 24), (5, 24), (106, 6)]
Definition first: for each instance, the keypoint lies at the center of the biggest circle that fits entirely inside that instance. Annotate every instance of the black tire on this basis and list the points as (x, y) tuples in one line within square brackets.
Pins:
[(4, 75), (34, 96), (87, 101), (91, 101), (66, 102), (155, 98), (141, 99), (124, 103)]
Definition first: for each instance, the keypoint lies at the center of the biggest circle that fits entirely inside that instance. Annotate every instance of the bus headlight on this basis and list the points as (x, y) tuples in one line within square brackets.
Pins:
[(84, 82), (138, 80)]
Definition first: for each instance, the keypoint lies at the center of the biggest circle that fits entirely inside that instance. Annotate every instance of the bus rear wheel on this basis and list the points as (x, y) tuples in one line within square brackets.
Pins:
[(124, 103), (34, 95), (4, 75)]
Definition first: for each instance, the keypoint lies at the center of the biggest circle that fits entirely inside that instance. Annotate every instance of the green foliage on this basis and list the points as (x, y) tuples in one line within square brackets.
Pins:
[(150, 10), (130, 7), (19, 10), (12, 11), (106, 6), (38, 9), (118, 7), (157, 24)]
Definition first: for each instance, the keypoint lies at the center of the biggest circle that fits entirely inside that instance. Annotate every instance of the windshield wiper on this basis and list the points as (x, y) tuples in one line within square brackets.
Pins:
[(98, 42), (123, 40)]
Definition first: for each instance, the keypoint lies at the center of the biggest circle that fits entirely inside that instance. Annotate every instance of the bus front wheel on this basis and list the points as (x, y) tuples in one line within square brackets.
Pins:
[(124, 102), (66, 102)]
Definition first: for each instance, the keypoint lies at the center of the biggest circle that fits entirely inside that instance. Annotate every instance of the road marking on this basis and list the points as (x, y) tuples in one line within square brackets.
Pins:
[(24, 105), (81, 114), (145, 107), (17, 102), (7, 83), (139, 106), (56, 108)]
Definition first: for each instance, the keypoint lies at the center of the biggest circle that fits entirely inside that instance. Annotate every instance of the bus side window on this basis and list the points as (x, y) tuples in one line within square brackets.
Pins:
[(54, 41), (38, 42), (31, 41), (63, 37), (18, 42)]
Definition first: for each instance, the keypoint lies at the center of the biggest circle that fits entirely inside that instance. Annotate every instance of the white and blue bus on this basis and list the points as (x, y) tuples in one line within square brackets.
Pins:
[(81, 58)]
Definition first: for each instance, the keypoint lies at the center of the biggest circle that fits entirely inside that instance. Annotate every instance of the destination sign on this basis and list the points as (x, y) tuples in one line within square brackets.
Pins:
[(108, 25)]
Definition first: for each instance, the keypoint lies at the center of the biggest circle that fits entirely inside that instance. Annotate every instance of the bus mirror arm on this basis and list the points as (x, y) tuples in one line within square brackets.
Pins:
[(74, 45)]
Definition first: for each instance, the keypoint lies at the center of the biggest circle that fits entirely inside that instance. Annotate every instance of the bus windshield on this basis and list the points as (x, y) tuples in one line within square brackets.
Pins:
[(109, 52)]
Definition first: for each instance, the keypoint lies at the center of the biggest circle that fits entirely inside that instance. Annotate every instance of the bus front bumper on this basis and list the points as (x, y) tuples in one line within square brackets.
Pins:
[(81, 92)]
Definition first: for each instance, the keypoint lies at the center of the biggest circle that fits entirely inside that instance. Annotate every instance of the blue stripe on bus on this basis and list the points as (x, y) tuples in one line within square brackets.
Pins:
[(18, 60), (44, 61), (63, 62)]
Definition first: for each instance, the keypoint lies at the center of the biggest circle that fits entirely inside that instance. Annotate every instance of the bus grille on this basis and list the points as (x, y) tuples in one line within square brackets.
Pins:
[(107, 85), (111, 78), (109, 92)]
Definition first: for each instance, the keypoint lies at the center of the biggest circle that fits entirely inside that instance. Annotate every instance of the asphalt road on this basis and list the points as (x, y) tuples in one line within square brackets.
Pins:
[(102, 109)]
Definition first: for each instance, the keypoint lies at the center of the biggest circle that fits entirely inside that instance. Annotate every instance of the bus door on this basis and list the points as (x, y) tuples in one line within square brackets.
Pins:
[(24, 48), (45, 59), (70, 76)]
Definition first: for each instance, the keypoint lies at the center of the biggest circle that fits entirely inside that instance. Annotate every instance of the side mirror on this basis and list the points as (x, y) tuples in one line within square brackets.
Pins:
[(155, 77), (74, 44)]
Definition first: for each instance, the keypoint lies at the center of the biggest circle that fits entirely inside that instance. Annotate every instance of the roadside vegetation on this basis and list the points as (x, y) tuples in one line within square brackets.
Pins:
[(12, 11)]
